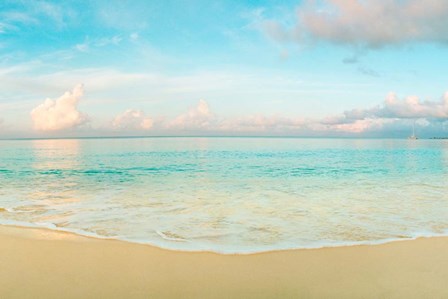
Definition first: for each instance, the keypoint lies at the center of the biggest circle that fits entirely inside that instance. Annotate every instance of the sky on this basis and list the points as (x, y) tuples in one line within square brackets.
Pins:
[(352, 68)]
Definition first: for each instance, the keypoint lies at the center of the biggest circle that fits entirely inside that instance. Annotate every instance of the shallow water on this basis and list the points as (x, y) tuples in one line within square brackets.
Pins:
[(230, 195)]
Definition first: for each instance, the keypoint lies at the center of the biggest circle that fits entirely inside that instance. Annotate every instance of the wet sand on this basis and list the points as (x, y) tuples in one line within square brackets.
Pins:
[(38, 263)]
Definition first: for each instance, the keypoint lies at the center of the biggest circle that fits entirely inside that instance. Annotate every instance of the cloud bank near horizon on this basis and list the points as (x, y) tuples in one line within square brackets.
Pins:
[(199, 117), (411, 107), (62, 114), (132, 119)]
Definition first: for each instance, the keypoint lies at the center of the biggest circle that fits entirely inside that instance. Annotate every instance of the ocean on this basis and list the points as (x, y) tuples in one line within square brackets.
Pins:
[(228, 195)]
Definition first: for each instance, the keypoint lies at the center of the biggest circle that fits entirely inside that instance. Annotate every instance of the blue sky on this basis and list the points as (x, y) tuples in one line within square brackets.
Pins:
[(223, 67)]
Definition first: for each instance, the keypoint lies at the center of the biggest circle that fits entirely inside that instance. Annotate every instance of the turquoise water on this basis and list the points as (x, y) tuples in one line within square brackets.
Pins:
[(229, 195)]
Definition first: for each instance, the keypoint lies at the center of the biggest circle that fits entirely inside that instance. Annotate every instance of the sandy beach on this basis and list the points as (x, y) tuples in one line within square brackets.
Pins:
[(36, 263)]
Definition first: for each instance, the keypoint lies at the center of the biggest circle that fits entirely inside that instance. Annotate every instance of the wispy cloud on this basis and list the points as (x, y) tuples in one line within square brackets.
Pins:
[(105, 41), (19, 17), (52, 11), (35, 13), (368, 71), (84, 47), (100, 42), (120, 15)]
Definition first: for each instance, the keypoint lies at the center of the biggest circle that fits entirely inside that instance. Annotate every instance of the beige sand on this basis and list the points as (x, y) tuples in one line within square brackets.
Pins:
[(44, 264)]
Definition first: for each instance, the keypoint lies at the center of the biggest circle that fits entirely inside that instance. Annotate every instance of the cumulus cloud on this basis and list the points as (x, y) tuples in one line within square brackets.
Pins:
[(368, 23), (132, 120), (411, 107), (394, 115), (60, 114), (198, 117), (393, 111)]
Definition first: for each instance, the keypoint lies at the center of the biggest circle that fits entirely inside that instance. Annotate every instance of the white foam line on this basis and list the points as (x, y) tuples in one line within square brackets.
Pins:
[(53, 227), (164, 236)]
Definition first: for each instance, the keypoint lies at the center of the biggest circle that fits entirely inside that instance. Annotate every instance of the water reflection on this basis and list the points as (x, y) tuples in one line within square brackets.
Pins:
[(53, 185), (56, 153)]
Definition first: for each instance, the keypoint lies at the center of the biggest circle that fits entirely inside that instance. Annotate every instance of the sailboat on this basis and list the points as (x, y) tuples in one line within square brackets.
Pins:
[(413, 137)]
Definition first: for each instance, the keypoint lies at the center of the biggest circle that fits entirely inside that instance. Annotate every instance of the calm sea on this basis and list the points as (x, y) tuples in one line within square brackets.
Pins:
[(229, 195)]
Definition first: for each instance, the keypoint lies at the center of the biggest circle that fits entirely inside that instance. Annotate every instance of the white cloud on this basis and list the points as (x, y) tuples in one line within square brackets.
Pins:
[(132, 120), (60, 114), (105, 41), (367, 23), (413, 107), (393, 112), (355, 126), (90, 44), (198, 117), (410, 107)]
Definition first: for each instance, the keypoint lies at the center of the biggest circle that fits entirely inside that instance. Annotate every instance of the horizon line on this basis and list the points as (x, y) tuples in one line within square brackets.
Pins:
[(209, 136)]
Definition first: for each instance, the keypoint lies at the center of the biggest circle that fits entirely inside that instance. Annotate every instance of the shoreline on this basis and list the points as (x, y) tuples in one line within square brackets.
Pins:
[(43, 263), (26, 225)]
